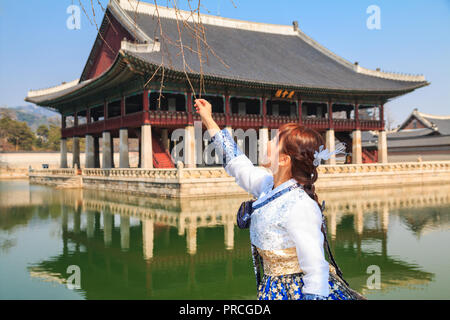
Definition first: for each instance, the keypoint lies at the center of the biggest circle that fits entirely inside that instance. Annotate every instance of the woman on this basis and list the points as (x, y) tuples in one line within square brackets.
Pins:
[(286, 220)]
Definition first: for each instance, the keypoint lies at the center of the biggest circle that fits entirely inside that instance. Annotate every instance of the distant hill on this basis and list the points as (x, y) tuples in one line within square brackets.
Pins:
[(34, 116)]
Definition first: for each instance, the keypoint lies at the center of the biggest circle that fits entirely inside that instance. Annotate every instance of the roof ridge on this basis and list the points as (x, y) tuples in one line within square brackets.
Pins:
[(166, 12), (53, 89), (427, 115), (355, 66)]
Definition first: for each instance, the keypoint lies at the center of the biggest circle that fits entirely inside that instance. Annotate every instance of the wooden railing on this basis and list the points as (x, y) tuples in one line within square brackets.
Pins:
[(161, 118)]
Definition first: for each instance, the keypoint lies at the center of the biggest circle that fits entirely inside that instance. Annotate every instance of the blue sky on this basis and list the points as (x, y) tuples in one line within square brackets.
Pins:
[(38, 51)]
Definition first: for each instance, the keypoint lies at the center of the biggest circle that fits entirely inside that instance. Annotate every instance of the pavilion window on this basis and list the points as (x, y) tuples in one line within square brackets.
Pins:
[(114, 108), (97, 114), (281, 108), (133, 104), (169, 101), (245, 105), (342, 110), (367, 112), (70, 120), (82, 117), (315, 110), (217, 103)]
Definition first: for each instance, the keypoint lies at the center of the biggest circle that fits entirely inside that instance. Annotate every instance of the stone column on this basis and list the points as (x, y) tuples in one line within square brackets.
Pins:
[(123, 149), (189, 147), (76, 152), (330, 145), (382, 147), (89, 152), (96, 152), (111, 139), (146, 146), (262, 145), (63, 162), (356, 147), (165, 139), (106, 150)]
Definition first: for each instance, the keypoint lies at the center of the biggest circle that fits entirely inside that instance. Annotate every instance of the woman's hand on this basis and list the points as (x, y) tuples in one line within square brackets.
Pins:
[(204, 109)]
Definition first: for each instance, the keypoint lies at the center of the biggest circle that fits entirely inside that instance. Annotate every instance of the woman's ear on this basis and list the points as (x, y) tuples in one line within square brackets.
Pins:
[(284, 160)]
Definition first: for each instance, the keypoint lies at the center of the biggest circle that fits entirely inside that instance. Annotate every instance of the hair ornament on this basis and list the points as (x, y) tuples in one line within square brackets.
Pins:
[(325, 154)]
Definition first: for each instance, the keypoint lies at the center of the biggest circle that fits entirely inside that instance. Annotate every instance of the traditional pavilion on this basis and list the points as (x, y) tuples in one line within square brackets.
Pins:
[(421, 136), (260, 77)]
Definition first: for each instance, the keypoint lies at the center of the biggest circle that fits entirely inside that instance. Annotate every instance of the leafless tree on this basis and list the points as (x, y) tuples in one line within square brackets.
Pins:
[(190, 24)]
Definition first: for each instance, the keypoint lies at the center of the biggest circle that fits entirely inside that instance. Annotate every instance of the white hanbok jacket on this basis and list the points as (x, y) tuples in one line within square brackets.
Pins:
[(287, 230)]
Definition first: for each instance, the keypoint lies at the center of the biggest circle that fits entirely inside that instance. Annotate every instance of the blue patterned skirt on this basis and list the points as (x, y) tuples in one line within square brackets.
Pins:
[(289, 287)]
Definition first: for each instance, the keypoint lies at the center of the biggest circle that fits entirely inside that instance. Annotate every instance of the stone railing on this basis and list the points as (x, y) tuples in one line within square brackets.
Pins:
[(432, 166), (218, 172), (158, 174), (53, 172)]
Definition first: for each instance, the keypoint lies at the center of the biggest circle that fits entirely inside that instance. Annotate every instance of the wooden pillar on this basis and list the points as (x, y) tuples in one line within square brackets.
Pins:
[(75, 119), (330, 115), (189, 108), (382, 116), (357, 116), (105, 110), (88, 115), (264, 111), (227, 111), (122, 110), (146, 106), (300, 111)]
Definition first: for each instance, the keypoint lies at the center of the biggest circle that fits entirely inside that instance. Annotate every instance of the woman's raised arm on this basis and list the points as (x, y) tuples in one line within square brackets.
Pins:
[(252, 179)]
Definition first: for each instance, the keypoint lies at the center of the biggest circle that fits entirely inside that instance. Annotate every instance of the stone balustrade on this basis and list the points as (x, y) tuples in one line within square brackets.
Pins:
[(385, 167), (214, 181), (53, 172)]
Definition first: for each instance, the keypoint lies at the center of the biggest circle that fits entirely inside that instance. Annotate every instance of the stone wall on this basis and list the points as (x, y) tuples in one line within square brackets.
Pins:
[(214, 182)]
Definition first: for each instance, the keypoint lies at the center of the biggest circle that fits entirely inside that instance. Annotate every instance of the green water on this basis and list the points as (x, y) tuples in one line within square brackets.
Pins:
[(136, 247)]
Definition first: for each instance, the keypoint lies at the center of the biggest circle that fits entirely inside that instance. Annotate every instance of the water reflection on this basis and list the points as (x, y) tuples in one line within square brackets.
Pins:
[(133, 247)]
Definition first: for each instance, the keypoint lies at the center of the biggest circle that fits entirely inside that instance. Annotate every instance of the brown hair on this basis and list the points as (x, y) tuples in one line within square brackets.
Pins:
[(300, 143)]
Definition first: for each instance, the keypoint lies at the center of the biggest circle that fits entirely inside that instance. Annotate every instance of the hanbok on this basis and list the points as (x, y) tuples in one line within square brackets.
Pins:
[(285, 229)]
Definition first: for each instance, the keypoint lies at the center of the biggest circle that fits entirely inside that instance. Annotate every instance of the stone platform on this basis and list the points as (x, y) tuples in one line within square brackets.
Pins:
[(214, 182)]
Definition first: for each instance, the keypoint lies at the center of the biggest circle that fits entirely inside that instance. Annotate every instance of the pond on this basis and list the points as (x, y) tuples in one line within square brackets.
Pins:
[(137, 247)]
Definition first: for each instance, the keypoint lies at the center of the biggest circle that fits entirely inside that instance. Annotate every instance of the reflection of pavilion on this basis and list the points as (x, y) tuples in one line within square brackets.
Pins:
[(383, 201), (135, 247), (184, 215)]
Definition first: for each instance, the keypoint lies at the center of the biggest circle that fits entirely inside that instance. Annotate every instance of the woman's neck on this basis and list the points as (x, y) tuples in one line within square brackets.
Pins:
[(281, 177)]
